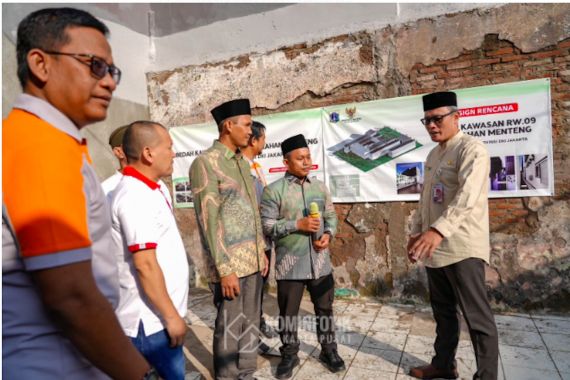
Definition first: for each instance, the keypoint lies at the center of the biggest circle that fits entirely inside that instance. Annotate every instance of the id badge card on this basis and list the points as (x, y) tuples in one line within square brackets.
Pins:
[(437, 193)]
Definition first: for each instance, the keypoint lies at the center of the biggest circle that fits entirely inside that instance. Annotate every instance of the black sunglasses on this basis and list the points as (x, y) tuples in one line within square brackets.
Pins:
[(436, 119), (98, 66)]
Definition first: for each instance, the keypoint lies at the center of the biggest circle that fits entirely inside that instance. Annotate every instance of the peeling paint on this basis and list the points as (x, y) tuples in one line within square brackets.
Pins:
[(261, 79)]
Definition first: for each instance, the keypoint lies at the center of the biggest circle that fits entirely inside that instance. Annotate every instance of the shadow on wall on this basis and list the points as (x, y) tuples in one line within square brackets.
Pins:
[(545, 287)]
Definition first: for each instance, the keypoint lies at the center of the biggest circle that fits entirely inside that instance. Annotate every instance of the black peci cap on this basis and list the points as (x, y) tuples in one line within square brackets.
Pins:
[(234, 107), (292, 143), (439, 99)]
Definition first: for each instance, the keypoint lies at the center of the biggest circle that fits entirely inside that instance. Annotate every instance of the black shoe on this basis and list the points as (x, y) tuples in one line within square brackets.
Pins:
[(263, 348), (267, 330), (332, 361), (286, 366)]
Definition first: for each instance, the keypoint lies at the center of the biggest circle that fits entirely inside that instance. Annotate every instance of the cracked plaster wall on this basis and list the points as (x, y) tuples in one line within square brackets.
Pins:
[(530, 251), (185, 95)]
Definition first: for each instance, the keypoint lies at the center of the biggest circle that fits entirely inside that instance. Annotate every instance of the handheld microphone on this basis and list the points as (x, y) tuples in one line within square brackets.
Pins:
[(314, 210), (315, 213)]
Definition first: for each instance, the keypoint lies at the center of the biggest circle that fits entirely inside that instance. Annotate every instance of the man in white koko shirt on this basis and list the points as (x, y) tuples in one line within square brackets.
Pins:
[(450, 234)]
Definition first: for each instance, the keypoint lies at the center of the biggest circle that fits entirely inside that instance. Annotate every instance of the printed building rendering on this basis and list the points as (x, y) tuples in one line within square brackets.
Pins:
[(374, 148)]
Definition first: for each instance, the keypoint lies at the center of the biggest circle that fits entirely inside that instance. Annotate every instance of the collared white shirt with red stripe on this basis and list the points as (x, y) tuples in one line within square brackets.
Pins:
[(143, 219)]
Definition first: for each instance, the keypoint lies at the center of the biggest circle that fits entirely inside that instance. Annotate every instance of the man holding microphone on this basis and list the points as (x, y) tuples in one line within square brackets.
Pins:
[(290, 215)]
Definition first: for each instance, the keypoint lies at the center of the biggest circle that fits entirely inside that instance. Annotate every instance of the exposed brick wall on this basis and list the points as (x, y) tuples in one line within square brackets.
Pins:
[(499, 61)]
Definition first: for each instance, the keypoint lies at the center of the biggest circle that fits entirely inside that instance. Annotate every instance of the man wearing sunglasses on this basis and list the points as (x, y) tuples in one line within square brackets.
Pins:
[(450, 233), (60, 279)]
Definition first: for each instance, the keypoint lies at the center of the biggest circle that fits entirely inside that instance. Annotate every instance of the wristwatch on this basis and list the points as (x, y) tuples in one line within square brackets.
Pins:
[(151, 374)]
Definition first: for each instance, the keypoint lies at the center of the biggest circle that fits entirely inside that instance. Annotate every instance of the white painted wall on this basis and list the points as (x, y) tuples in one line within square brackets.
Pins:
[(287, 26), (131, 55)]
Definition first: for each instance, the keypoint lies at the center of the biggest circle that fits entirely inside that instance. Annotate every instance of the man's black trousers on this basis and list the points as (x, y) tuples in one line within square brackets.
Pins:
[(289, 294), (463, 284)]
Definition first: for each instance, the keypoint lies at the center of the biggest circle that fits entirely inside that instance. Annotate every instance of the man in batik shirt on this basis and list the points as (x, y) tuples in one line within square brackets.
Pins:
[(231, 234), (302, 255)]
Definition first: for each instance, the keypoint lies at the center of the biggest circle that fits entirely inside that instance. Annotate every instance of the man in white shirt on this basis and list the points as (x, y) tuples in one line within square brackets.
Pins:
[(153, 268), (116, 143)]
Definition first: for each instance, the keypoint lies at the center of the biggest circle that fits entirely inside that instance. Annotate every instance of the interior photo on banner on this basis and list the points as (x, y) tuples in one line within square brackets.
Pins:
[(189, 142), (375, 151)]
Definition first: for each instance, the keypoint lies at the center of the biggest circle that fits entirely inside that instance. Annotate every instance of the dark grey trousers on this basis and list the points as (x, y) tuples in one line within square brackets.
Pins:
[(236, 333), (289, 294), (463, 284), (261, 319)]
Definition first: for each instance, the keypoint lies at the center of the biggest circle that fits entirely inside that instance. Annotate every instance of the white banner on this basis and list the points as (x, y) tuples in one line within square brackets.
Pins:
[(375, 151)]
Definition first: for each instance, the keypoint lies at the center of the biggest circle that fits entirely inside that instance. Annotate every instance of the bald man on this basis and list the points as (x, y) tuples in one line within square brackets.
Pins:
[(153, 269)]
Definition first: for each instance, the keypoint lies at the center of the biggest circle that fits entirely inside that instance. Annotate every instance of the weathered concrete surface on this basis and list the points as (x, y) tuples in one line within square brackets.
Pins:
[(529, 262), (187, 94), (10, 85), (533, 271)]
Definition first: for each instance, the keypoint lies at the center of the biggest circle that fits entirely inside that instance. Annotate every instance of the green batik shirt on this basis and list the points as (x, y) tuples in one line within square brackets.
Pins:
[(227, 213), (283, 203)]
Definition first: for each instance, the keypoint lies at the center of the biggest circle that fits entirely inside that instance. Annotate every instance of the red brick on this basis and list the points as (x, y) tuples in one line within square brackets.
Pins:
[(460, 73), (520, 212), (433, 83), (487, 61), (458, 65), (558, 96), (497, 213), (512, 58), (540, 62), (546, 54), (564, 44), (426, 77), (505, 79), (444, 74), (431, 69), (506, 67), (502, 51)]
